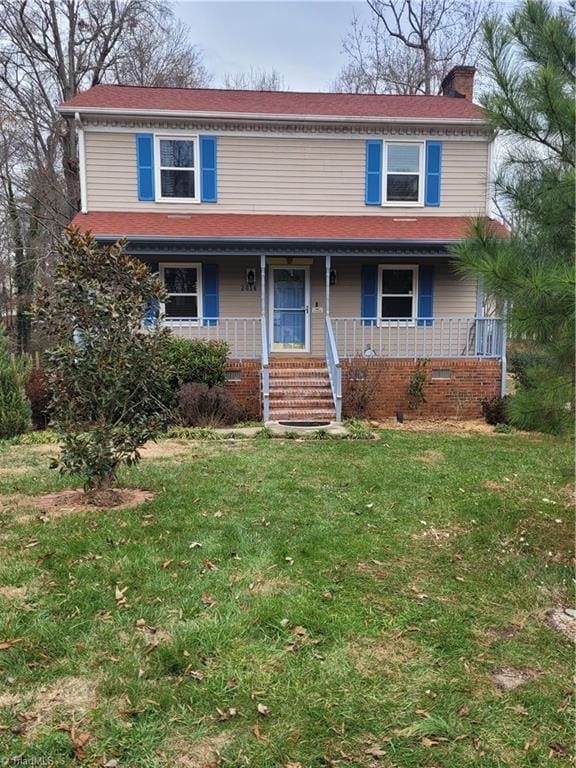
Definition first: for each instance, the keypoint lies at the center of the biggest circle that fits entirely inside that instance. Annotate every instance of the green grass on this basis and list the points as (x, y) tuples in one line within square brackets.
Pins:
[(398, 562)]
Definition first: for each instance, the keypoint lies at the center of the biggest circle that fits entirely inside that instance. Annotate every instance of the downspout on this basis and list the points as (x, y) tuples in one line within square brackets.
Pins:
[(82, 163)]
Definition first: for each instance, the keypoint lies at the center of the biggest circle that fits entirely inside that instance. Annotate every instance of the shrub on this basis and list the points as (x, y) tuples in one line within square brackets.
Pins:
[(521, 362), (105, 374), (202, 406), (14, 405), (37, 394), (358, 392), (358, 430), (494, 409), (194, 361), (415, 388)]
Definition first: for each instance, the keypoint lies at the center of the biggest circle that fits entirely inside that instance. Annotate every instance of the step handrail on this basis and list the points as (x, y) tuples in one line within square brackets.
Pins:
[(334, 369)]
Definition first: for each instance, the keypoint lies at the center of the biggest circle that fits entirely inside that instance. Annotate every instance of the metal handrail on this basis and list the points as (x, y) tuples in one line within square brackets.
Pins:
[(334, 369), (265, 376)]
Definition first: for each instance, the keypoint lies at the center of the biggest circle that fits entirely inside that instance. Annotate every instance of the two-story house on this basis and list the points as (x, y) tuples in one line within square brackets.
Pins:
[(311, 231)]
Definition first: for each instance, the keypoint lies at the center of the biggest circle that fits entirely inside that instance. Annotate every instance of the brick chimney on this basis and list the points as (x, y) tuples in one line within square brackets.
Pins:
[(459, 83)]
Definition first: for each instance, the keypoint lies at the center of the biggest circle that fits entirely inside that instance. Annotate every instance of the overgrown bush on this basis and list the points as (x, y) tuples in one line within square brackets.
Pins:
[(105, 374), (494, 409), (194, 361), (37, 394), (415, 388), (14, 405), (202, 406), (358, 392)]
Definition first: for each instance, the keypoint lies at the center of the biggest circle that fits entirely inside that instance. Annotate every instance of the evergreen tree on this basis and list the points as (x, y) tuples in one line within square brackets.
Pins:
[(530, 56), (14, 406)]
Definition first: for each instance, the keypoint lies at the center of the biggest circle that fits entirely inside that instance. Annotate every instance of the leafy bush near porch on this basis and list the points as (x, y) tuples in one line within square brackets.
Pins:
[(194, 361), (494, 409), (202, 406), (14, 405), (105, 375)]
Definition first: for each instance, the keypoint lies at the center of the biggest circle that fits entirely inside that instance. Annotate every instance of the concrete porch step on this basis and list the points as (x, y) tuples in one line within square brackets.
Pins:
[(315, 415)]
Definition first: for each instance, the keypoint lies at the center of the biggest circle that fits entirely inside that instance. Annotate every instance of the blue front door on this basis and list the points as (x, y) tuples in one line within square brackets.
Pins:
[(289, 309)]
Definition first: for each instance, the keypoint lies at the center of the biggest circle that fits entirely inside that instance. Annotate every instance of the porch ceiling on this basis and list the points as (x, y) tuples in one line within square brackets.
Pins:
[(197, 233)]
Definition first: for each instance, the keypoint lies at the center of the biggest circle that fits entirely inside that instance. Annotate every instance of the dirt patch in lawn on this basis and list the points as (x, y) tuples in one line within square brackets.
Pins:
[(62, 503), (439, 536), (563, 620), (508, 678), (464, 427), (267, 586), (13, 593), (490, 485), (382, 655), (429, 457), (168, 448), (204, 753), (505, 633), (69, 697)]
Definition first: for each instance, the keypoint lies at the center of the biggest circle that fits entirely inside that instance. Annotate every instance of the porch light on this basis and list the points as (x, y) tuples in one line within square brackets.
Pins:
[(332, 277)]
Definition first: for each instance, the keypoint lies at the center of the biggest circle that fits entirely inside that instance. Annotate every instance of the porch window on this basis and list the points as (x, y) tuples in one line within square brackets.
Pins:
[(398, 288), (183, 285), (176, 171), (403, 173)]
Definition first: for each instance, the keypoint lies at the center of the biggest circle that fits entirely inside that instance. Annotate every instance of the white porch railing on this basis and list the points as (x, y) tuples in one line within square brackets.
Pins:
[(438, 337), (242, 334)]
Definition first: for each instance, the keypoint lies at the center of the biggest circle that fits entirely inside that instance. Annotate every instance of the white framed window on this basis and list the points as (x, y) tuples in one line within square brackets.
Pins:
[(403, 177), (398, 292), (183, 284), (177, 168)]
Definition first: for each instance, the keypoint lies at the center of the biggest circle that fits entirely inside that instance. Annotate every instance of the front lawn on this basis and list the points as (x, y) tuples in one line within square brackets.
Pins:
[(286, 603)]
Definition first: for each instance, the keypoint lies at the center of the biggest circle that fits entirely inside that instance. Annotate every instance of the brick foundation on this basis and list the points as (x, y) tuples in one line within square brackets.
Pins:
[(248, 388), (386, 383)]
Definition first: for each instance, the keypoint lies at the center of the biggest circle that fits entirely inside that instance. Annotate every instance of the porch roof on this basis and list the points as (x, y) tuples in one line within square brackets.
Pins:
[(221, 229)]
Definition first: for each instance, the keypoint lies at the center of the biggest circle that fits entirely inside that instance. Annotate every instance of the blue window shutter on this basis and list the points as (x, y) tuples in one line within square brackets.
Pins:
[(208, 193), (433, 173), (426, 294), (145, 165), (369, 302), (373, 172), (210, 293)]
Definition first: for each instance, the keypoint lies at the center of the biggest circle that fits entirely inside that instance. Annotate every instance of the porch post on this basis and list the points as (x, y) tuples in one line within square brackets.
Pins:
[(263, 287), (328, 267)]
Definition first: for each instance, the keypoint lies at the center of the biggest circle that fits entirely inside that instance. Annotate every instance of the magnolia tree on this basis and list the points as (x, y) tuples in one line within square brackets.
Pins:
[(105, 373)]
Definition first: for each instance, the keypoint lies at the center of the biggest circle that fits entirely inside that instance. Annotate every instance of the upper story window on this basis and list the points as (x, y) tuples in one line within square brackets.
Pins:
[(177, 163), (403, 173)]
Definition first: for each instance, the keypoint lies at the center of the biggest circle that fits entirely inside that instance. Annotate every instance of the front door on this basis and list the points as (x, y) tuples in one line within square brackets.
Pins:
[(290, 309)]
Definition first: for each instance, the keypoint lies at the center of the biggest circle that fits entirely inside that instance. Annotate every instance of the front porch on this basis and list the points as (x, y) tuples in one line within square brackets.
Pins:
[(284, 311)]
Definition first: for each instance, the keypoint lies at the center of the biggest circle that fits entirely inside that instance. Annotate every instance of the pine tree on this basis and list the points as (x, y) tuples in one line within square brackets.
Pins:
[(14, 406), (530, 56)]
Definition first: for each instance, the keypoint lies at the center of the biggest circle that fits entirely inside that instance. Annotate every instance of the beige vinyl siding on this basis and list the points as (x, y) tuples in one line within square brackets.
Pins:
[(299, 175), (453, 296)]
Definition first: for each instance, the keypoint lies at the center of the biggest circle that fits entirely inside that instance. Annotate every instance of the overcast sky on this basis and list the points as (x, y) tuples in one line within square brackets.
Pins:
[(302, 40)]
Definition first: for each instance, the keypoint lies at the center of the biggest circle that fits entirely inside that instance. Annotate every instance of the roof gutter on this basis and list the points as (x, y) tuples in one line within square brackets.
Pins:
[(273, 240), (263, 117)]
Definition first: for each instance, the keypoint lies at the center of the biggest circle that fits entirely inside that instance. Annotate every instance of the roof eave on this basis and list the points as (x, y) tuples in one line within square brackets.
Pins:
[(263, 117), (278, 240)]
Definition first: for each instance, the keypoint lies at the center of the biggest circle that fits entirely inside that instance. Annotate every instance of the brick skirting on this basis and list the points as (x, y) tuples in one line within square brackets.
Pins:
[(247, 389), (386, 382)]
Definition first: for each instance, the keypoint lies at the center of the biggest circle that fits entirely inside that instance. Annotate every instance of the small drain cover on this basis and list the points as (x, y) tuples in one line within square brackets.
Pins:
[(304, 423)]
